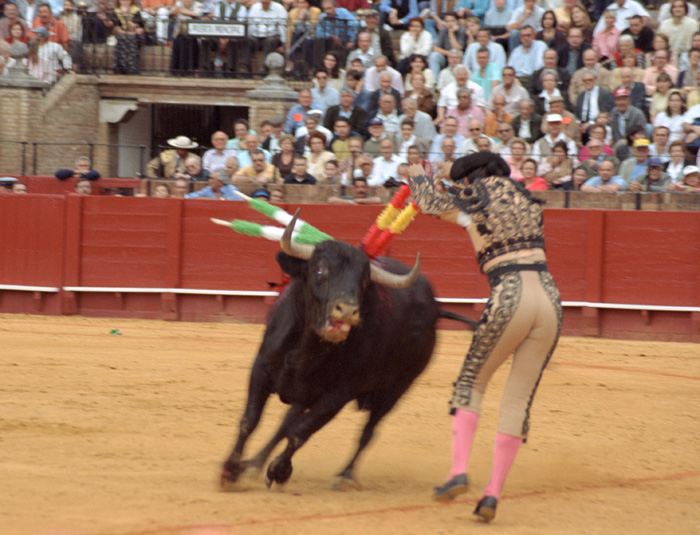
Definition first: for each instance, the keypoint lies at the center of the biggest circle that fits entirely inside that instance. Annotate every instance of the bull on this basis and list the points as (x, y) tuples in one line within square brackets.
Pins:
[(344, 329)]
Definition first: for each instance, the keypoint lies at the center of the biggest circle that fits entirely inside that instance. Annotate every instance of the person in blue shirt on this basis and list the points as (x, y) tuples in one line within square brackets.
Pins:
[(397, 13), (218, 188), (339, 29), (297, 113), (606, 181)]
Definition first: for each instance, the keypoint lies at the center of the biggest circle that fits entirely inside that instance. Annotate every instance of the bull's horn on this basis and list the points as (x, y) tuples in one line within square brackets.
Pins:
[(392, 280), (297, 250)]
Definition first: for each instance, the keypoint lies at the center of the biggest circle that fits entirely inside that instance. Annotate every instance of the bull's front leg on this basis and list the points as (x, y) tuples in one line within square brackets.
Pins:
[(280, 469), (259, 390)]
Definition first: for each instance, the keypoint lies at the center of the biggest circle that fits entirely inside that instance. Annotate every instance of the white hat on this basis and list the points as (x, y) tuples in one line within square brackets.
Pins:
[(553, 118), (182, 142), (688, 169)]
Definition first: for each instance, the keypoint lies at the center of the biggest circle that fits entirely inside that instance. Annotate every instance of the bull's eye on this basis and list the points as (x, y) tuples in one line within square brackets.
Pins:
[(321, 271)]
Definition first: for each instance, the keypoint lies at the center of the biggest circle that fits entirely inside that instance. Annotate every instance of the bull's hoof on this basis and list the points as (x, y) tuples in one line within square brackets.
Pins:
[(345, 483), (232, 472), (279, 471)]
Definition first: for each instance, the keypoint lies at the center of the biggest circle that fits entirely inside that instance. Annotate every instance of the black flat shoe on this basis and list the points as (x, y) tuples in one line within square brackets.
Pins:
[(453, 488), (486, 508)]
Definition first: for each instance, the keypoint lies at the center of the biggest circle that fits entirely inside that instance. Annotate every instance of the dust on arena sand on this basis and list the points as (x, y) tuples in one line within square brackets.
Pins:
[(125, 434)]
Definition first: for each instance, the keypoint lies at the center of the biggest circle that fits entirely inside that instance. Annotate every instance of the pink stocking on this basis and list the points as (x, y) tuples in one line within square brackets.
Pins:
[(504, 452), (463, 430)]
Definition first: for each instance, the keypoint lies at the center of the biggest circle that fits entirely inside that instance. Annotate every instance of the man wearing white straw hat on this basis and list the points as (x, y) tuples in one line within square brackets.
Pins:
[(172, 161)]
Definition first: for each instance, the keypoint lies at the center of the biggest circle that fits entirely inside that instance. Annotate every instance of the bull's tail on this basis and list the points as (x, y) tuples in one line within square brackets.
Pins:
[(446, 314)]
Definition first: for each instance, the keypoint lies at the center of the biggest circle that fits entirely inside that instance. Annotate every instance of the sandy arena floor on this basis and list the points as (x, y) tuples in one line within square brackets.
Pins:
[(106, 434)]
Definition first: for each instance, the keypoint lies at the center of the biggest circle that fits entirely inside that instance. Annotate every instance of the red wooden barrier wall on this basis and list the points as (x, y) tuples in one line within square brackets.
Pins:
[(648, 259)]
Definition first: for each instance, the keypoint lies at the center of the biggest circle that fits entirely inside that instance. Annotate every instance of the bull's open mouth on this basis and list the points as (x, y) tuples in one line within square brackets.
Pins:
[(335, 331)]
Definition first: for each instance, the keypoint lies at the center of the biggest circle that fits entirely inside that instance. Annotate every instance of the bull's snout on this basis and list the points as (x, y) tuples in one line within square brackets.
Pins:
[(347, 312)]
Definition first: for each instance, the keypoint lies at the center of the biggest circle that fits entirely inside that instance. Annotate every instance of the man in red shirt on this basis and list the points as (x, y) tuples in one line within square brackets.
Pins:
[(58, 33)]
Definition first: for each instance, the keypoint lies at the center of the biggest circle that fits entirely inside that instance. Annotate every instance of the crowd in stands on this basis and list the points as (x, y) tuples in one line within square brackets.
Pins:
[(574, 96)]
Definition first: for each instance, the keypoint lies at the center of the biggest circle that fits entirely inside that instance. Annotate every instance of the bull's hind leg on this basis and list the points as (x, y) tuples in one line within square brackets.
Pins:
[(259, 390)]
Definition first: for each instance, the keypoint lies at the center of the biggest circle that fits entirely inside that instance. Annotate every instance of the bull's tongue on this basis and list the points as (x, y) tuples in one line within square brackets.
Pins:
[(337, 326)]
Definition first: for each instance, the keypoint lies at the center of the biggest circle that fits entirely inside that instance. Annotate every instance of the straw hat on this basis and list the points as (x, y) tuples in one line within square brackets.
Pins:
[(182, 142)]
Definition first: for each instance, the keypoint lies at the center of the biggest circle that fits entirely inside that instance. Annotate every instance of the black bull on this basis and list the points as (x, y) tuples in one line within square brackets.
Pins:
[(334, 336)]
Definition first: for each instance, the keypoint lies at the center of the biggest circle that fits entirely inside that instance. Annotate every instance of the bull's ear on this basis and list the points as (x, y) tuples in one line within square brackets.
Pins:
[(294, 267)]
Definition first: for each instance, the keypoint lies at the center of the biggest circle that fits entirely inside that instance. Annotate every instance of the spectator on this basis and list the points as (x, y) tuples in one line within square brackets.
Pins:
[(624, 118), (448, 96), (268, 28), (386, 164), (505, 134), (338, 28), (284, 160), (416, 41), (252, 143), (526, 58), (193, 170), (661, 65), (347, 108), (683, 59), (558, 168), (231, 165), (271, 131), (312, 124), (261, 193), (549, 91), (381, 38), (513, 92), (365, 167), (673, 116), (19, 187), (624, 10), (318, 155), (349, 160), (530, 179), (550, 35), (518, 155), (185, 54), (56, 29), (415, 156), (605, 42), (217, 156), (527, 124), (634, 87), (653, 180), (606, 181), (398, 13), (628, 56), (595, 155), (642, 36), (677, 162), (495, 120), (576, 87), (300, 25), (636, 166), (276, 195), (680, 28), (623, 148), (322, 94), (446, 76), (496, 20), (258, 174), (82, 169), (375, 127), (47, 59), (160, 191), (240, 129), (180, 189), (660, 144), (299, 174), (83, 187), (442, 161), (418, 65), (172, 160), (364, 51), (420, 94), (384, 89), (571, 54), (593, 100), (452, 36), (128, 27), (449, 130), (387, 114), (487, 74), (475, 132), (218, 188), (73, 23), (691, 181), (11, 12), (544, 146), (340, 144), (465, 111), (529, 15), (381, 65), (422, 122), (687, 79), (551, 60), (360, 195), (354, 80), (408, 138), (330, 174)]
